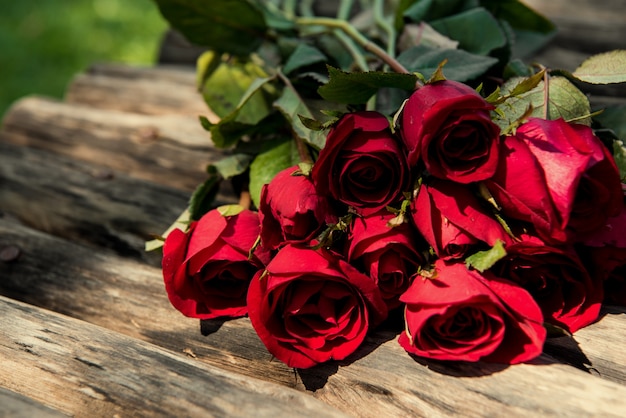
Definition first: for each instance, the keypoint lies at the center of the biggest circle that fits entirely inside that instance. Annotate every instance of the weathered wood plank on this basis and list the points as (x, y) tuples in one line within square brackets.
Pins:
[(172, 150), (85, 370), (88, 203), (379, 380), (14, 405), (589, 26), (150, 91)]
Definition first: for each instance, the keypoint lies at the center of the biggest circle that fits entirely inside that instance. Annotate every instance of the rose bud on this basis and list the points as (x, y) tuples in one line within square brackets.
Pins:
[(452, 220), (362, 164), (207, 270), (291, 211), (559, 177), (448, 126), (389, 255), (310, 306), (557, 280), (459, 314)]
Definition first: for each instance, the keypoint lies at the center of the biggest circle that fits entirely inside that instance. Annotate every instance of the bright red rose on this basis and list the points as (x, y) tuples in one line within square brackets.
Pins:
[(559, 177), (389, 255), (291, 211), (452, 220), (310, 306), (448, 126), (362, 164), (462, 315), (557, 280), (207, 270)]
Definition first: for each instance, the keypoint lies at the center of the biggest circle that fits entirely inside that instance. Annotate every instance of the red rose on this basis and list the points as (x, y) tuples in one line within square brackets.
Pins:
[(605, 254), (559, 177), (389, 255), (291, 211), (362, 164), (557, 280), (207, 270), (448, 126), (452, 220), (609, 265), (309, 307), (463, 315)]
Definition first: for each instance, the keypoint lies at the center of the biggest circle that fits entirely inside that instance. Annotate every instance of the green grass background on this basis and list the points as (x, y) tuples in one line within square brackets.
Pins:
[(43, 43)]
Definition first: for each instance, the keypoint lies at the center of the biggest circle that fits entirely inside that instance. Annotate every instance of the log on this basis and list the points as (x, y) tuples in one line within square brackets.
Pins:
[(14, 405), (87, 203), (84, 370), (149, 91), (379, 380), (172, 150), (583, 25)]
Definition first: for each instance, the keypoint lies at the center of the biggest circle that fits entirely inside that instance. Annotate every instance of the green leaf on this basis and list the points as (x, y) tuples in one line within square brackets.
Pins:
[(233, 26), (358, 88), (484, 260), (619, 153), (274, 18), (564, 101), (614, 118), (227, 131), (519, 15), (463, 28), (238, 88), (293, 108), (302, 56), (182, 222), (206, 64), (233, 165), (269, 163), (230, 210), (528, 83), (606, 68), (202, 198), (460, 66)]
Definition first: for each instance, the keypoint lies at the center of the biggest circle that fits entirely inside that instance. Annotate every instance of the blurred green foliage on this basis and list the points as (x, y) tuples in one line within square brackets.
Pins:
[(43, 43)]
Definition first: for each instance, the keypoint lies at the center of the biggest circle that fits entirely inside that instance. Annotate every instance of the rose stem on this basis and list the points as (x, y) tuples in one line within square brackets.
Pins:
[(245, 200), (349, 30), (546, 94), (385, 26), (345, 7)]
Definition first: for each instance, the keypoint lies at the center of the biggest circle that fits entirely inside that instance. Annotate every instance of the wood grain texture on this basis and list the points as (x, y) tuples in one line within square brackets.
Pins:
[(15, 405), (379, 380), (583, 25), (85, 370), (150, 91), (168, 149), (88, 203)]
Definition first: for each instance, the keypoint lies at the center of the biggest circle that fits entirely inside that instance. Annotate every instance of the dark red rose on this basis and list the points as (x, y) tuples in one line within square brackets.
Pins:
[(291, 210), (559, 177), (207, 270), (605, 254), (609, 265), (389, 255), (557, 280), (362, 164), (310, 306), (448, 126), (452, 219), (462, 315)]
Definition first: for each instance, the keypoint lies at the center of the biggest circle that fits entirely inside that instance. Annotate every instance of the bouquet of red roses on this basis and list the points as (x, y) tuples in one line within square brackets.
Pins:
[(488, 219)]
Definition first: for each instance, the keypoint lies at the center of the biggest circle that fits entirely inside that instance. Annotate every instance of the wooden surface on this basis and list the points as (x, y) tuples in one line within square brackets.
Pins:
[(87, 329)]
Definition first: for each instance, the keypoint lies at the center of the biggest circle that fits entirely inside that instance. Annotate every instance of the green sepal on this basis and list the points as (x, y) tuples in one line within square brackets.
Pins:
[(484, 260)]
